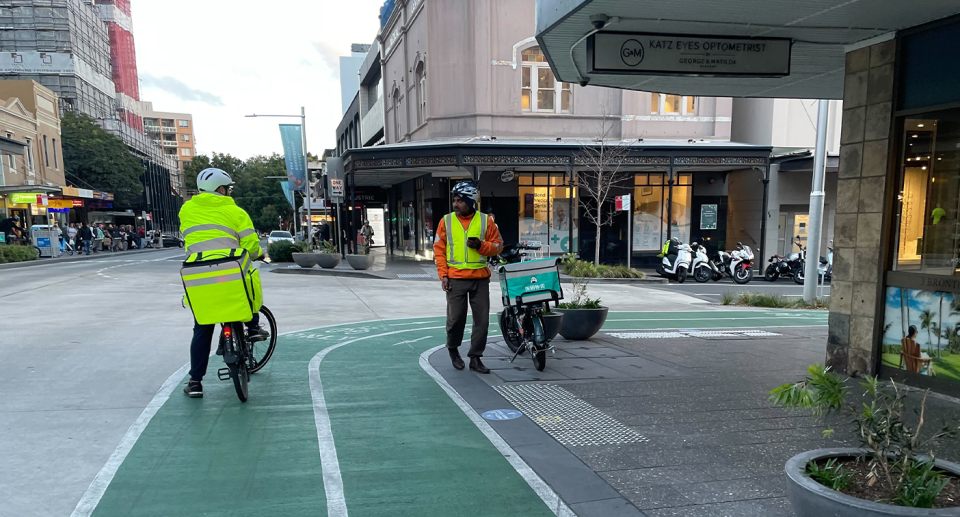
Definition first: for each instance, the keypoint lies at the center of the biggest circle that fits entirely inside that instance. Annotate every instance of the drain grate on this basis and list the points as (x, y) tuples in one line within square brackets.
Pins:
[(412, 275), (571, 421), (692, 333)]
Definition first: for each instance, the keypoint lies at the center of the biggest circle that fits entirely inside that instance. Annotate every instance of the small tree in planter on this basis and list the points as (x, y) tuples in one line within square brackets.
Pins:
[(890, 466), (582, 316)]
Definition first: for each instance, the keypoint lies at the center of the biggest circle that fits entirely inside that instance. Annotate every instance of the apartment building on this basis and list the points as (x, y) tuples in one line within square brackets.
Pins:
[(84, 51), (173, 131), (29, 115)]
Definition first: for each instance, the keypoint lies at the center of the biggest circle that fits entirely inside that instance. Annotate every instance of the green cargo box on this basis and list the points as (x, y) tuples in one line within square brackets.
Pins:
[(533, 281)]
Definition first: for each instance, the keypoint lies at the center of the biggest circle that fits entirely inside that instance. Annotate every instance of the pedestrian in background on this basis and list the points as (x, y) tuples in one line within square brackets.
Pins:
[(86, 236), (72, 234)]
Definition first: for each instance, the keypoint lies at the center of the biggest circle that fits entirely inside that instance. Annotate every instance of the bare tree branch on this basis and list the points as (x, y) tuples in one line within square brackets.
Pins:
[(599, 166)]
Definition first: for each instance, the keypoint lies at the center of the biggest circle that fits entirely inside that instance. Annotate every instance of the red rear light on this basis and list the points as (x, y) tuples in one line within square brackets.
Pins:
[(227, 332)]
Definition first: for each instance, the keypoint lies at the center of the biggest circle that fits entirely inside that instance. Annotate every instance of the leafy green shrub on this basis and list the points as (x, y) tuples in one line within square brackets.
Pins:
[(760, 300), (301, 247), (894, 447), (580, 300), (281, 251), (328, 247), (776, 300), (829, 474), (11, 253), (572, 266)]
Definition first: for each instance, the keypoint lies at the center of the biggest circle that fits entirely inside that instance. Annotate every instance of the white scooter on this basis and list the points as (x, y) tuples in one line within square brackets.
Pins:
[(680, 265), (703, 268)]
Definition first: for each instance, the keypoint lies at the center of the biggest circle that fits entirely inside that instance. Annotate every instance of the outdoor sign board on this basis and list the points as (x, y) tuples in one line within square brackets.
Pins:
[(64, 203), (335, 176), (292, 139), (623, 203), (708, 217), (687, 54), (23, 198)]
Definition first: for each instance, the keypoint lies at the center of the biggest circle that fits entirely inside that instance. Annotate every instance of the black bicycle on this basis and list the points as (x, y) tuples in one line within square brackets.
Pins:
[(244, 357)]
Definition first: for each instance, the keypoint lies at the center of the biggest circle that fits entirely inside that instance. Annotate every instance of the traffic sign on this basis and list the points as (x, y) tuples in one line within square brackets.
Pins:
[(623, 203)]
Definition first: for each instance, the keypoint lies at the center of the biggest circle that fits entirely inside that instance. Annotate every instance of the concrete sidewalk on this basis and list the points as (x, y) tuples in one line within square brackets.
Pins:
[(672, 423), (65, 259)]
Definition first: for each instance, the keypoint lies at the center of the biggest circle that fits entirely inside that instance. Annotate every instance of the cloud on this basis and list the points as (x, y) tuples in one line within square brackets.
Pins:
[(330, 54), (179, 89)]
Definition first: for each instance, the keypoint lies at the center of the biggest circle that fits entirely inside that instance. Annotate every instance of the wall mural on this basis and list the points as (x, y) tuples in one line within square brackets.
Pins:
[(921, 332)]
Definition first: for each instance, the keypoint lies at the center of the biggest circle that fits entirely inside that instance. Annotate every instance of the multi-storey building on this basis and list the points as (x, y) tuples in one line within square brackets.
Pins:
[(174, 131), (83, 50)]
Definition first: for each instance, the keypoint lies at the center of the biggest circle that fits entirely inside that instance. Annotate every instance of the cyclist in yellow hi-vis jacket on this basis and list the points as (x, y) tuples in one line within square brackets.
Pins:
[(212, 225)]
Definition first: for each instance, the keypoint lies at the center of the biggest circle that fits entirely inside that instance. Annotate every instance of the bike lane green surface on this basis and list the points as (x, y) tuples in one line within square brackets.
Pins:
[(404, 447)]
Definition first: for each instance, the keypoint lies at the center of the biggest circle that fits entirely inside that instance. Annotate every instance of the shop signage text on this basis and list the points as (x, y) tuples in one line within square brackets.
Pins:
[(708, 217), (623, 203), (685, 54), (23, 198)]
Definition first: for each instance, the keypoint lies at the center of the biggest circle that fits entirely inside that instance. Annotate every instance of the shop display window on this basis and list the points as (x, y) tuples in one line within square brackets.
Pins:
[(545, 211), (928, 230), (650, 217)]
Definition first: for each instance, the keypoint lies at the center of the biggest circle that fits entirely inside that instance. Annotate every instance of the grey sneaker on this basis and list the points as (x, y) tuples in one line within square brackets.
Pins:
[(193, 389)]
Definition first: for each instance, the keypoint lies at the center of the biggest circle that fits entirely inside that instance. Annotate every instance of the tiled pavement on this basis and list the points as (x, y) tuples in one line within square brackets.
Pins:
[(715, 444)]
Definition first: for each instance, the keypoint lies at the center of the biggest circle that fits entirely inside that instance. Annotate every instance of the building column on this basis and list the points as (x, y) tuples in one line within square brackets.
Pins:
[(856, 311)]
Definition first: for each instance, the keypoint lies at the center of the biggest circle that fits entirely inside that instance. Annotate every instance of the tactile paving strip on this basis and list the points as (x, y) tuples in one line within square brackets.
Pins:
[(692, 333), (571, 421), (413, 275)]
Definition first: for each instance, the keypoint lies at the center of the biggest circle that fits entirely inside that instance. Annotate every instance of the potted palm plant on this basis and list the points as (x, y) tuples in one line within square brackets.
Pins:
[(583, 316), (328, 257), (893, 473)]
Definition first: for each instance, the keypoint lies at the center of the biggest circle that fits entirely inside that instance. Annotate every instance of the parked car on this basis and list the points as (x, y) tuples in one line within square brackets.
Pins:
[(171, 241), (277, 235)]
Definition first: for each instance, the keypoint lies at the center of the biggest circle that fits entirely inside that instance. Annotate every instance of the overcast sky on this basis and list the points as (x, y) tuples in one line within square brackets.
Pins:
[(223, 59)]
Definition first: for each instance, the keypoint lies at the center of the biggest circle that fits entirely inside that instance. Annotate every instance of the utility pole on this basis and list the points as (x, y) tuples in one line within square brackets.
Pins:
[(306, 172), (811, 267)]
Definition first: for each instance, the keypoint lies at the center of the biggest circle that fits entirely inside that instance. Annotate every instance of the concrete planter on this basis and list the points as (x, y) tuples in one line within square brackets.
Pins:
[(360, 261), (305, 260), (811, 499), (552, 324), (582, 324), (328, 260)]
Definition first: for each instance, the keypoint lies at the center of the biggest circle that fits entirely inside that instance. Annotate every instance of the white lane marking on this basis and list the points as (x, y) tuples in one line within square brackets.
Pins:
[(410, 341), (95, 491), (549, 497), (765, 316), (332, 481)]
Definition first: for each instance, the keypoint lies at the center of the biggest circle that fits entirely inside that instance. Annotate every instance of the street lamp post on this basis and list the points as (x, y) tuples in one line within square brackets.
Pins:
[(306, 167)]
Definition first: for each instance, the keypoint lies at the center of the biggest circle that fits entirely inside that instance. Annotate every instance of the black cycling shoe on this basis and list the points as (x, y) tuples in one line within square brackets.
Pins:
[(193, 389), (257, 334)]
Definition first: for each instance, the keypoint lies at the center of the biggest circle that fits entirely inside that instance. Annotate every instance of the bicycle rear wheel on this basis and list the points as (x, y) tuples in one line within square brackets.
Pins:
[(236, 358), (262, 351), (240, 376)]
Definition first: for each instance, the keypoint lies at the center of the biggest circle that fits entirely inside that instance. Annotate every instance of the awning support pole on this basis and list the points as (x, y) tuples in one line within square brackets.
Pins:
[(763, 218), (812, 266)]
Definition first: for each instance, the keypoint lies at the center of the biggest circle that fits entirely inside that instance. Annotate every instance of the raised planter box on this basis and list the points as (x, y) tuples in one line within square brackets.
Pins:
[(582, 324), (305, 260), (811, 499), (328, 260), (360, 261)]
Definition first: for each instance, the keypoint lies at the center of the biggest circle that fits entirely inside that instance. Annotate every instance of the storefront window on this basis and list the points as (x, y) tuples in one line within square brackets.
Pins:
[(929, 179), (650, 198), (545, 214)]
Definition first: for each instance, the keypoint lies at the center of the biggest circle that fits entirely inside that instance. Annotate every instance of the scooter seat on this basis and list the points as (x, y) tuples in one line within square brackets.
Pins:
[(778, 256)]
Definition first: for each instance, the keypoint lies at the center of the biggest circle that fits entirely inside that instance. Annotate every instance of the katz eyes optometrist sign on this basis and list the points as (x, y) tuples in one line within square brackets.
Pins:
[(674, 54)]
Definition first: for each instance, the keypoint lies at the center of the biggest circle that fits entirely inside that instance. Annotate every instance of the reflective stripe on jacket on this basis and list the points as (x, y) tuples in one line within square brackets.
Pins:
[(459, 255), (210, 222)]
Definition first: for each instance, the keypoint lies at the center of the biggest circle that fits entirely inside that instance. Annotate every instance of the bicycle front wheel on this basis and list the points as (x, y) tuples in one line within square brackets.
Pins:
[(262, 351)]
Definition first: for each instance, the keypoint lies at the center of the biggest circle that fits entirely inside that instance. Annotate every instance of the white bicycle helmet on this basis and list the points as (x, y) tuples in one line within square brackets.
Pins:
[(209, 180), (466, 191)]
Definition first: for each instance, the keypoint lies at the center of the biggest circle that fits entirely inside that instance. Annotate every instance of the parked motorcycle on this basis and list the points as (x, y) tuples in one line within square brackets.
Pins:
[(676, 260), (703, 268), (738, 263), (785, 267), (824, 268)]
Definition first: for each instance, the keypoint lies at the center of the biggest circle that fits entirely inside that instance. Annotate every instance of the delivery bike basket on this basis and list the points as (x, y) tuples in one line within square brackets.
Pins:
[(219, 288), (533, 281)]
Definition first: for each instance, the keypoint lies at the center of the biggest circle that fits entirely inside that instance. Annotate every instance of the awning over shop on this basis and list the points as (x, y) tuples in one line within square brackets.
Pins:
[(18, 189), (386, 165), (819, 34)]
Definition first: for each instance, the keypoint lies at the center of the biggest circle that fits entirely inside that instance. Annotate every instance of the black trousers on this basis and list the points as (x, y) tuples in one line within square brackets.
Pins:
[(477, 293), (200, 347)]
